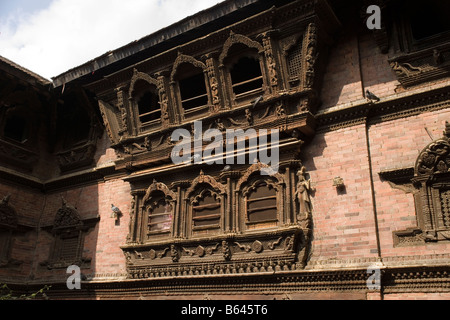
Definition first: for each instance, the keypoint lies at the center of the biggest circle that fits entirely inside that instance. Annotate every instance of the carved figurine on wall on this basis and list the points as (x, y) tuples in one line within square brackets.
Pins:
[(303, 193), (174, 253), (226, 250)]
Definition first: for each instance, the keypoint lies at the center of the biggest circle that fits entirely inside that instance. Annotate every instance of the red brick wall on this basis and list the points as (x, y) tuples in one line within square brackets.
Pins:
[(417, 296), (109, 259), (396, 144), (344, 228), (28, 204)]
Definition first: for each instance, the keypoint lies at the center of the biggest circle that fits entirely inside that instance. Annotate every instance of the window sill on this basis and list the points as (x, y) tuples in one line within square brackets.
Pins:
[(209, 227)]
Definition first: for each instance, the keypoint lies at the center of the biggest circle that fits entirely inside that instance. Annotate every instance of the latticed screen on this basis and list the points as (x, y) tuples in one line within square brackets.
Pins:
[(206, 211), (294, 61), (68, 248), (262, 204), (445, 207)]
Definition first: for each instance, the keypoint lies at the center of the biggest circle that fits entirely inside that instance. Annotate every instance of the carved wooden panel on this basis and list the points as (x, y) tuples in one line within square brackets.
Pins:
[(67, 248), (444, 197), (262, 204), (432, 194), (206, 210), (160, 214)]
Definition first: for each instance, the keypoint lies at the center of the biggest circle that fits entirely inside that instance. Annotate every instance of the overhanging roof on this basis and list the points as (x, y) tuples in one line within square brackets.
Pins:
[(204, 22)]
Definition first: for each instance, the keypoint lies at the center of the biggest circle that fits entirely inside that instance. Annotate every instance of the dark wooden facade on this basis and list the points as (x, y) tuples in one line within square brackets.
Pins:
[(100, 134)]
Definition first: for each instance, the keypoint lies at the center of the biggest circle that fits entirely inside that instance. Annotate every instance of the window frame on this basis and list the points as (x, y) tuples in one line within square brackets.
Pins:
[(228, 56), (147, 207), (201, 195), (178, 74), (147, 84), (266, 223)]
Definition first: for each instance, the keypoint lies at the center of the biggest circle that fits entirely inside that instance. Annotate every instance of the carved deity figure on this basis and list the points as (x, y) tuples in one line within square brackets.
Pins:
[(226, 250), (303, 193), (174, 253)]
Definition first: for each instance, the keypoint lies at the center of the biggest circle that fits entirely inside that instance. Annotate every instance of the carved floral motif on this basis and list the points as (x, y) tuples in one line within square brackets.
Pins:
[(435, 158), (311, 55)]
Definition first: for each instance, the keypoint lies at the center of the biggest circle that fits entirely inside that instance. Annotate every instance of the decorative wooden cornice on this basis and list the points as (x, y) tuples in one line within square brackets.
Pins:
[(423, 279), (402, 106), (398, 176)]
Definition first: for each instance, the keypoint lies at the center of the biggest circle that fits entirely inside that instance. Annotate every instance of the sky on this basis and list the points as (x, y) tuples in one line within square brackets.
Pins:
[(50, 37)]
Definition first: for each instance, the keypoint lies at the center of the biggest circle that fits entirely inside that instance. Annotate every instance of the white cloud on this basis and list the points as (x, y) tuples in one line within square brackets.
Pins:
[(69, 33)]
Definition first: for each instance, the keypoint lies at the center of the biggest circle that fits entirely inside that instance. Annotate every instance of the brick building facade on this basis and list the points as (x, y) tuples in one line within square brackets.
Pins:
[(362, 183)]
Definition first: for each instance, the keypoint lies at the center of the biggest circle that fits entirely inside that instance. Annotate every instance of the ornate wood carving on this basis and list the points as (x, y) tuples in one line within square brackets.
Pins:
[(17, 155), (202, 178), (76, 157), (214, 84), (238, 254), (69, 230), (182, 58), (140, 76), (110, 121), (431, 191), (238, 38), (66, 217), (311, 55), (164, 102), (159, 186), (435, 158), (124, 114), (254, 168), (270, 59)]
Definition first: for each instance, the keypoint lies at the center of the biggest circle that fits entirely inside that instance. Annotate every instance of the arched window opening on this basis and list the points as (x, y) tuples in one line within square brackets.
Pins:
[(147, 102), (191, 82), (246, 75), (16, 129), (148, 108)]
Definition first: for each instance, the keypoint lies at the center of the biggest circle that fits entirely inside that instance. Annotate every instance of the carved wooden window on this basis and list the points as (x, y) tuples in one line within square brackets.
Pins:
[(74, 124), (442, 202), (423, 25), (261, 204), (160, 214), (206, 210), (145, 99), (69, 231), (430, 19), (432, 181), (192, 86), (68, 247), (148, 107), (16, 128), (294, 62), (246, 76)]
